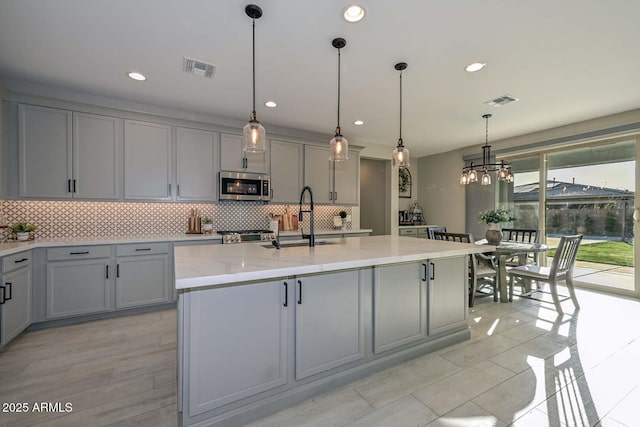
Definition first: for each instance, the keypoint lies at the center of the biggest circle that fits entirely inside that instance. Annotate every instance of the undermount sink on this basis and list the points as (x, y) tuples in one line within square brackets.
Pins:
[(298, 244)]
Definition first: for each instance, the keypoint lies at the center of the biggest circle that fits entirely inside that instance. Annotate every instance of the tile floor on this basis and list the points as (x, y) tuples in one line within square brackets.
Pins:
[(524, 366)]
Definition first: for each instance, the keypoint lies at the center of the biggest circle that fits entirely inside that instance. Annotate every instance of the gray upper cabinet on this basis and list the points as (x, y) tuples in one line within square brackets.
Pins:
[(399, 312), (332, 182), (232, 158), (97, 156), (147, 161), (286, 171), (317, 173), (329, 321), (45, 152), (195, 165), (68, 155), (447, 294)]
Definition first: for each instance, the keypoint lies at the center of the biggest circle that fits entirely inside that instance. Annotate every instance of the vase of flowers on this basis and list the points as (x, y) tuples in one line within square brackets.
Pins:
[(492, 218)]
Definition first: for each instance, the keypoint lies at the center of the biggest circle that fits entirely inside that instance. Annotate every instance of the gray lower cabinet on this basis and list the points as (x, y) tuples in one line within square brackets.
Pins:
[(329, 321), (447, 294), (77, 287), (15, 297), (239, 343), (399, 310), (142, 280)]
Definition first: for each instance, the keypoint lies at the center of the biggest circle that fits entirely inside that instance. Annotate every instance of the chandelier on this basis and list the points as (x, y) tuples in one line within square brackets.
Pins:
[(470, 173)]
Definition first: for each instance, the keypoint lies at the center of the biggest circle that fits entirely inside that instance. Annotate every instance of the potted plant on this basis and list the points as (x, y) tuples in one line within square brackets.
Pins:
[(343, 217), (207, 225), (492, 218), (21, 230)]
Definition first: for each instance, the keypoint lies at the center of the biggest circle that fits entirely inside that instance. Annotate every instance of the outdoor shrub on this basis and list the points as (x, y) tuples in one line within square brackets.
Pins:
[(588, 225), (610, 222)]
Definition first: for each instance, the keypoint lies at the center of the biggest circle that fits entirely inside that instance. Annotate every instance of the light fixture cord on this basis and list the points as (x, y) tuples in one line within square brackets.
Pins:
[(339, 90), (400, 106), (254, 69)]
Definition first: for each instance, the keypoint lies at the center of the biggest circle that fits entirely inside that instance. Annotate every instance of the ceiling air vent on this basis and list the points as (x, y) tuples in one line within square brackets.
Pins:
[(199, 68), (502, 100)]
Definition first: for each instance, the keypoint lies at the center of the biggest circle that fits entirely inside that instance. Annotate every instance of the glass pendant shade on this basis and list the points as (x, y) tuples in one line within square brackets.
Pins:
[(464, 178), (401, 156), (339, 148), (486, 178), (473, 175), (254, 137)]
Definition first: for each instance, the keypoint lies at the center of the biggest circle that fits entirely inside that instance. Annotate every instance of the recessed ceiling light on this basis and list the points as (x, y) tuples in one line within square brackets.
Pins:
[(137, 76), (358, 123), (353, 13), (270, 104), (476, 66)]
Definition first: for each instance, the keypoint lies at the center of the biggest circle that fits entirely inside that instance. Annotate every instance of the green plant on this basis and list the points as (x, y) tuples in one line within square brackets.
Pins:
[(610, 222), (555, 220), (404, 180), (495, 216), (343, 214), (588, 225), (21, 227), (207, 220)]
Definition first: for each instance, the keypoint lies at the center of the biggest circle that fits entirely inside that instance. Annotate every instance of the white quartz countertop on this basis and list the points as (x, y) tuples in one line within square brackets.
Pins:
[(417, 226), (12, 247), (211, 265)]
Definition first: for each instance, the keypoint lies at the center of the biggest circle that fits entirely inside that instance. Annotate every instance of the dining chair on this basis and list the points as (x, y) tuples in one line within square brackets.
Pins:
[(482, 268), (524, 235), (561, 269), (431, 230)]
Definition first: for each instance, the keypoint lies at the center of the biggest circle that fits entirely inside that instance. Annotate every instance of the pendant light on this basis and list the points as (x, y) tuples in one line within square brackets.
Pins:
[(470, 173), (253, 134), (401, 154), (339, 144)]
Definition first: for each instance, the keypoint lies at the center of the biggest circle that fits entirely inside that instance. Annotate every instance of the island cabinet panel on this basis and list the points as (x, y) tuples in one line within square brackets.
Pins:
[(447, 294), (238, 343), (329, 321), (399, 313)]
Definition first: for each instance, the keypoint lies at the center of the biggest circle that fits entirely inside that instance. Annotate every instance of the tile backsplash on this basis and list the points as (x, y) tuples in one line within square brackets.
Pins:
[(62, 219)]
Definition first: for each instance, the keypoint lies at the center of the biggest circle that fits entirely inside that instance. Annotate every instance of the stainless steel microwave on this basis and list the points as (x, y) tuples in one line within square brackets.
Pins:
[(244, 186)]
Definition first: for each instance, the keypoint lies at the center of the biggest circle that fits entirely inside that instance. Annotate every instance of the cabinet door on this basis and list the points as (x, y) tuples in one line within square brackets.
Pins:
[(147, 161), (286, 171), (399, 314), (232, 158), (329, 322), (236, 343), (15, 313), (142, 280), (316, 173), (346, 185), (195, 165), (44, 136), (97, 148), (77, 287), (447, 294)]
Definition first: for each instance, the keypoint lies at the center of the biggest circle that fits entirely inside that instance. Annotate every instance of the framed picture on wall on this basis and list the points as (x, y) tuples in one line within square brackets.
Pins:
[(404, 183)]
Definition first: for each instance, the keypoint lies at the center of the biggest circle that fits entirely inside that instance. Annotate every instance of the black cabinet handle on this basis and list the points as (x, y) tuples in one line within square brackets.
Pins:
[(68, 186), (424, 270), (79, 253), (169, 186), (433, 271), (74, 185), (18, 261), (299, 292), (335, 196), (178, 190), (107, 270), (330, 195), (4, 291), (142, 249), (117, 270), (286, 294)]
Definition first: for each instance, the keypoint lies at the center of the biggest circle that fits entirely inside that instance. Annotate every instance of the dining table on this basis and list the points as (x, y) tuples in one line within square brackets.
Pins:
[(507, 249)]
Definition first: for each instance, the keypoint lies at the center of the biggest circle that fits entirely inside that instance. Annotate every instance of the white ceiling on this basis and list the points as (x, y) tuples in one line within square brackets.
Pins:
[(567, 61)]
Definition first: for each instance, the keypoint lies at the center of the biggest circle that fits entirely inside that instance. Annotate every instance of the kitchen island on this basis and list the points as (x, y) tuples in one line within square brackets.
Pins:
[(261, 329)]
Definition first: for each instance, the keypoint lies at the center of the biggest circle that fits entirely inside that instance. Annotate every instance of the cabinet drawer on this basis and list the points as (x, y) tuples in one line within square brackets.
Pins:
[(423, 232), (411, 232), (78, 252), (11, 262), (142, 249)]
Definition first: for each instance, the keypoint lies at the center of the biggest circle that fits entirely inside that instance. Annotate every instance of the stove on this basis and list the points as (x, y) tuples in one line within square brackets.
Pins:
[(241, 236)]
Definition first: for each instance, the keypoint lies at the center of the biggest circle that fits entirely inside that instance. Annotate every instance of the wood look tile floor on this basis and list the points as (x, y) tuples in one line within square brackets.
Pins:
[(524, 366)]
